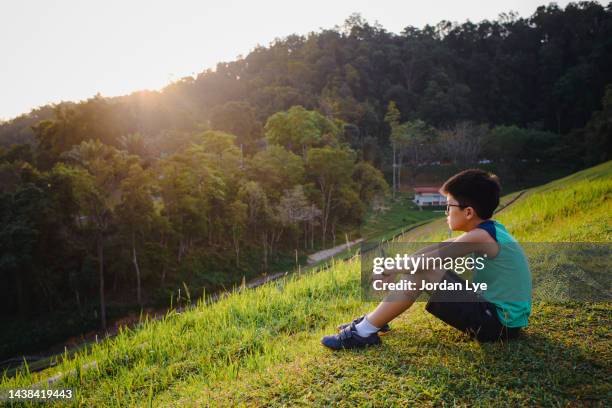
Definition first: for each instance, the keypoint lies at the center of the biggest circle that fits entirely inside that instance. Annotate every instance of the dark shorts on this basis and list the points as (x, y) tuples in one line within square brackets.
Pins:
[(469, 312)]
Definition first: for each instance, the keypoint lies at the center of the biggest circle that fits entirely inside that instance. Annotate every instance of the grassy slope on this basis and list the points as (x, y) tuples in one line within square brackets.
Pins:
[(400, 214), (261, 347)]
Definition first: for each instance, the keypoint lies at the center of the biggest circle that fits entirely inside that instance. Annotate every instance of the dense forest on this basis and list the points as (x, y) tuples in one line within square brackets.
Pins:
[(243, 168)]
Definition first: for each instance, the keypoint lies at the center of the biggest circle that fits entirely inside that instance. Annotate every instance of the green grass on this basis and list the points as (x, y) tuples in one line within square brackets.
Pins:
[(425, 363), (400, 214), (261, 347)]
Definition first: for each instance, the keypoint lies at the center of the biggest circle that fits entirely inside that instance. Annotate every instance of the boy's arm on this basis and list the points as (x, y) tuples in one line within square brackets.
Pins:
[(427, 249), (477, 240)]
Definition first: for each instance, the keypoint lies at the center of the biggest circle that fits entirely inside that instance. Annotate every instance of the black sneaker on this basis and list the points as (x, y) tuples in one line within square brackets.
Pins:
[(349, 339), (381, 332)]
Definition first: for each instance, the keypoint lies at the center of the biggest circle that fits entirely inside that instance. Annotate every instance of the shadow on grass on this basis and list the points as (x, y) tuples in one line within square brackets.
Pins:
[(535, 368)]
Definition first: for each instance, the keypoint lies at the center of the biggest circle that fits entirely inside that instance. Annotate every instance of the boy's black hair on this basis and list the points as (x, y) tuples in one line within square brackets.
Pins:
[(475, 188)]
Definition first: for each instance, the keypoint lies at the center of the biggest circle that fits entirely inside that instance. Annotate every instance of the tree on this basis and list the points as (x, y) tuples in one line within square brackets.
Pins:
[(95, 119), (237, 219), (370, 181), (135, 212), (445, 100), (22, 153), (135, 144), (392, 119), (299, 129), (219, 150), (193, 189), (330, 168), (18, 239), (276, 169), (97, 188), (226, 168), (348, 208), (294, 209), (506, 145), (598, 131), (238, 118), (463, 143), (258, 214), (36, 240), (411, 140)]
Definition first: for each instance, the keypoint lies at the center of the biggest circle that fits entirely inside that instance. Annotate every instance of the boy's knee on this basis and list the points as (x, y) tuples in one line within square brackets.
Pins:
[(431, 275)]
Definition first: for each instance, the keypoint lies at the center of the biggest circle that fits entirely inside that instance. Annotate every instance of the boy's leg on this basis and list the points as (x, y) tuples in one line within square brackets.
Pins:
[(397, 302), (365, 333)]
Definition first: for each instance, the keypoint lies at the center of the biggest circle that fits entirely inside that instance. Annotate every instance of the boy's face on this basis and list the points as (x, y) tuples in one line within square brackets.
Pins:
[(457, 217)]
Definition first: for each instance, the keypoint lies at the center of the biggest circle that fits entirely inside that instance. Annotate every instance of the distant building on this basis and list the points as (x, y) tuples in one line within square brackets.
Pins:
[(428, 196)]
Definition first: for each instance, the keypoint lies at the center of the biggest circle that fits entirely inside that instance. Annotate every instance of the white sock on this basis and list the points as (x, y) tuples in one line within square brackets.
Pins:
[(365, 328)]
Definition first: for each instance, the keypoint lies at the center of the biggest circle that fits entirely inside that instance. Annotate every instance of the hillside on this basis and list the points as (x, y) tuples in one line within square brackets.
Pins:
[(115, 204), (556, 60), (261, 347)]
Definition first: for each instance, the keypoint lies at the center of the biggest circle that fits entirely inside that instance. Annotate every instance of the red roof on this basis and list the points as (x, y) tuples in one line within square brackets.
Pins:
[(427, 189)]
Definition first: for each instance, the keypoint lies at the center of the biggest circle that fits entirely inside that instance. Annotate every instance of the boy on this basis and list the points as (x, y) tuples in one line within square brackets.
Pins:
[(498, 312)]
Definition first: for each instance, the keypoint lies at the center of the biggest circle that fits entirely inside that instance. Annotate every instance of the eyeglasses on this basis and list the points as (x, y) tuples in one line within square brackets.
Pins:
[(448, 206)]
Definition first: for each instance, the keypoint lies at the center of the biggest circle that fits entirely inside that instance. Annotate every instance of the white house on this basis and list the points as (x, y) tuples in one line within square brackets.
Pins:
[(428, 196)]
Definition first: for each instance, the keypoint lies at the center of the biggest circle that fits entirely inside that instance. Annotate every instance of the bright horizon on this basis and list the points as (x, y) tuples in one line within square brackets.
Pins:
[(70, 50)]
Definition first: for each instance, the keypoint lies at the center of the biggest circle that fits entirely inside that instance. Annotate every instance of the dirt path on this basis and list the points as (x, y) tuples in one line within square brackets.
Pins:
[(328, 253), (509, 203)]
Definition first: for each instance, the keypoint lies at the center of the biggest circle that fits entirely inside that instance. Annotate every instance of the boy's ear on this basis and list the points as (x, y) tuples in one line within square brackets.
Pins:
[(470, 213)]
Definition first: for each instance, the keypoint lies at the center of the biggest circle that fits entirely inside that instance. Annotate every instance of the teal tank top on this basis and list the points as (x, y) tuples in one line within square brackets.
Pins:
[(507, 276)]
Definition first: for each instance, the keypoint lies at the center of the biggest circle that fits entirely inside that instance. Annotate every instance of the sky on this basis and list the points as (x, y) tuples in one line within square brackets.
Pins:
[(54, 50)]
